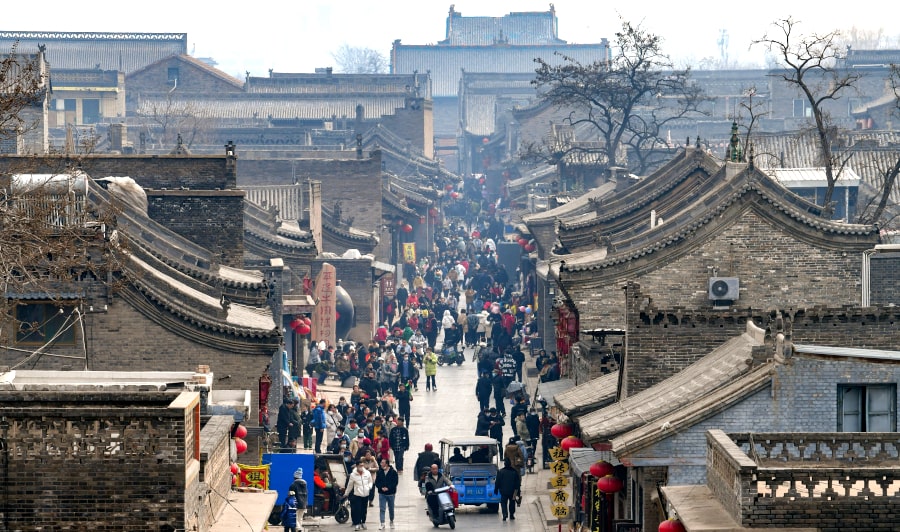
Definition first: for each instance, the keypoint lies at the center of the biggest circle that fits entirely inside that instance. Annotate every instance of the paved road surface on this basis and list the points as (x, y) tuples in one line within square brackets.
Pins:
[(450, 411)]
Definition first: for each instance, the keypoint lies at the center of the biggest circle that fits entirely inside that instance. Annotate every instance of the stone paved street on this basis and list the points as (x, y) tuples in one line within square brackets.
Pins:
[(449, 411)]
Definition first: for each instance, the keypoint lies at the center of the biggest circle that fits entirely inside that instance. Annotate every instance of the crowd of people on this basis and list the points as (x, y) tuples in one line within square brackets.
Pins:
[(459, 297)]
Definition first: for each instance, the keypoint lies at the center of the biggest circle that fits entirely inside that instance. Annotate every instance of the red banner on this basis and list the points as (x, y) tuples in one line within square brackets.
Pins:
[(324, 316)]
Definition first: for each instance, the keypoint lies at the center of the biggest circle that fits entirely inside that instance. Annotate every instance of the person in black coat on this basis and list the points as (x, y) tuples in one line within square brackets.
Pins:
[(495, 428), (483, 390), (386, 481), (507, 485), (398, 438), (499, 385)]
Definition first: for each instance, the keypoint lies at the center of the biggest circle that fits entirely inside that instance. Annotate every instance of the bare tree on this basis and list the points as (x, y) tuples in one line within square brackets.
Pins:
[(173, 119), (54, 240), (357, 60), (809, 63), (23, 87), (627, 101)]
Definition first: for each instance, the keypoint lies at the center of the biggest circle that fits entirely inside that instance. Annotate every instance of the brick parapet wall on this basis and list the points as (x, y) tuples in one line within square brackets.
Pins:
[(68, 453)]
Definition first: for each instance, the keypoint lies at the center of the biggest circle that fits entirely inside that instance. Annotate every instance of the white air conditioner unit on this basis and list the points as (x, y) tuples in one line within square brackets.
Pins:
[(724, 288)]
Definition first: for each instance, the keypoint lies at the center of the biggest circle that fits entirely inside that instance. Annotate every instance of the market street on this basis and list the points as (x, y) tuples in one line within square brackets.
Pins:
[(449, 411)]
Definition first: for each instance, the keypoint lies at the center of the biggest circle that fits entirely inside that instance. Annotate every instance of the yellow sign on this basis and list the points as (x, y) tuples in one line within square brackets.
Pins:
[(254, 476), (409, 252), (560, 511), (559, 481), (558, 453), (559, 496), (560, 468)]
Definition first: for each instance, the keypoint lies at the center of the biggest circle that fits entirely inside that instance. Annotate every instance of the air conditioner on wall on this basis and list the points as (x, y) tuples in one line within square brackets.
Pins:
[(724, 288)]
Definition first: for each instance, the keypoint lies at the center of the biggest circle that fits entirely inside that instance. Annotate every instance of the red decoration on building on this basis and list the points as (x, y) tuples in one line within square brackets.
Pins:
[(303, 329), (561, 430), (522, 242), (240, 445), (240, 431), (235, 469), (571, 442), (448, 188), (529, 248), (601, 469), (295, 323), (671, 525), (407, 228), (610, 484), (454, 195)]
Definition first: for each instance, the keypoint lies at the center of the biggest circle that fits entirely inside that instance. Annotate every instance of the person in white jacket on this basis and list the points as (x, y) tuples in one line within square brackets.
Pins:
[(359, 486)]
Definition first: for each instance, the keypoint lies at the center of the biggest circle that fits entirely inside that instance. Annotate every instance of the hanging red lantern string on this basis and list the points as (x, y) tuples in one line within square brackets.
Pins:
[(561, 430), (671, 525), (571, 442), (240, 446), (240, 431), (610, 484), (407, 228), (601, 469)]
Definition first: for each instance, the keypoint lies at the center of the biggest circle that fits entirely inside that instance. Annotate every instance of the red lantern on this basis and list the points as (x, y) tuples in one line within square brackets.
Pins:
[(601, 469), (522, 242), (240, 445), (235, 469), (610, 484), (571, 442), (303, 329), (561, 430), (296, 323), (240, 431), (407, 228), (307, 321), (671, 525), (448, 188), (454, 195), (529, 248), (433, 212)]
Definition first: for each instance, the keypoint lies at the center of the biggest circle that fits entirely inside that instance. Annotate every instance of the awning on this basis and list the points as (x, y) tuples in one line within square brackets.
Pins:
[(298, 305), (548, 390), (246, 511), (580, 460)]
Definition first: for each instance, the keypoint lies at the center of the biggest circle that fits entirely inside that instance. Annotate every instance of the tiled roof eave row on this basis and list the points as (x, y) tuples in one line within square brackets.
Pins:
[(682, 234)]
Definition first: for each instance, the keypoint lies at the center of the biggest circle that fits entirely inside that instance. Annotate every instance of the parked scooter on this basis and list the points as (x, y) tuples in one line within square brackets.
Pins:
[(443, 512)]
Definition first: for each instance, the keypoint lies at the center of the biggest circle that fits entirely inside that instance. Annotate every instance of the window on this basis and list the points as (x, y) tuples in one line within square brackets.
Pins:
[(802, 109), (37, 323), (90, 111), (867, 408), (172, 75)]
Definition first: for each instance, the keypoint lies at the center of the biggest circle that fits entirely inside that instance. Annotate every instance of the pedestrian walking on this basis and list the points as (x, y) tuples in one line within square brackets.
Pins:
[(431, 365), (508, 485), (299, 488), (289, 512), (359, 485), (399, 440), (386, 481), (319, 424), (483, 390)]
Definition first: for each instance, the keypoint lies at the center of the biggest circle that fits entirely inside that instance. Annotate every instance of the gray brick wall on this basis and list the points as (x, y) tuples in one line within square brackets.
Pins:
[(68, 460), (802, 397)]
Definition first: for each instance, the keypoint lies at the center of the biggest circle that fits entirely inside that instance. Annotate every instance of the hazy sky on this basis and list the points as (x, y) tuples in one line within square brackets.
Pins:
[(301, 35)]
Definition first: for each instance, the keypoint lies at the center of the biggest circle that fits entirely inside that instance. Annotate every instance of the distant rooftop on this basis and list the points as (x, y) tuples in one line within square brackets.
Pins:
[(535, 27)]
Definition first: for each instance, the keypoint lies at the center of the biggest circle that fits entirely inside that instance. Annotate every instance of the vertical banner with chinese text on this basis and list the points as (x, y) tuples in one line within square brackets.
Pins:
[(324, 316)]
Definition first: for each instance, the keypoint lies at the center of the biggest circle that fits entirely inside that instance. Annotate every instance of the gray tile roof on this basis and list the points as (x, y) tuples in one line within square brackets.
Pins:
[(279, 106), (590, 395), (723, 365), (120, 51)]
